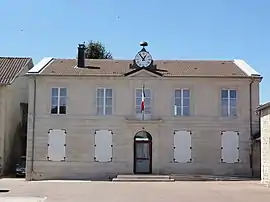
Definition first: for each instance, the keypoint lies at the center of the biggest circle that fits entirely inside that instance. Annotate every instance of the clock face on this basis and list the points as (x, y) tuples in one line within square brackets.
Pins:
[(143, 59)]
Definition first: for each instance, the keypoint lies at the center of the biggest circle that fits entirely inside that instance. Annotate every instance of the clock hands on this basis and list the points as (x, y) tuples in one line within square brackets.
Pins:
[(143, 58)]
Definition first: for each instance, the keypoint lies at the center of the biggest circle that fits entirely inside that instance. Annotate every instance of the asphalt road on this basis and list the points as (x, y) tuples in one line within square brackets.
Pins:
[(78, 191)]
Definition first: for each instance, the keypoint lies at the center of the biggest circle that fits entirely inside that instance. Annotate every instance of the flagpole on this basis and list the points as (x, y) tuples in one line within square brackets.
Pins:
[(143, 98), (143, 115)]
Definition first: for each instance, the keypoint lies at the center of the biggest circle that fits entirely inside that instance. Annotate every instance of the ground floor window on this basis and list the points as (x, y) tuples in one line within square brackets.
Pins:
[(182, 147), (103, 146), (56, 145), (230, 146)]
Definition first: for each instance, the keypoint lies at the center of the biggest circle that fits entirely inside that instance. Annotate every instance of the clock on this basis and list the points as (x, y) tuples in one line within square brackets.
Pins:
[(143, 59)]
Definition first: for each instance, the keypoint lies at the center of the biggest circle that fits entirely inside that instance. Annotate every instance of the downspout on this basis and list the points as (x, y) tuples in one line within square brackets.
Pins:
[(250, 126), (33, 130), (2, 125)]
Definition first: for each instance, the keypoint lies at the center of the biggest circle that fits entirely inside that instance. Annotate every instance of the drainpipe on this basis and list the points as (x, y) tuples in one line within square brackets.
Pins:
[(33, 130), (250, 126), (2, 125)]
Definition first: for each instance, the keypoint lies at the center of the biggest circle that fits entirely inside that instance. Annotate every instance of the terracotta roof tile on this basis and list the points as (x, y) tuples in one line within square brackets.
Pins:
[(167, 68), (10, 67)]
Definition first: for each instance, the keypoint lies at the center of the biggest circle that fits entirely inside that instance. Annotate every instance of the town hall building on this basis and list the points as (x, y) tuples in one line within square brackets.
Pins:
[(97, 118)]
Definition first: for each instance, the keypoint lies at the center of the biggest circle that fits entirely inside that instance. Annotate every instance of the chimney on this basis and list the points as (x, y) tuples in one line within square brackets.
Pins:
[(81, 56)]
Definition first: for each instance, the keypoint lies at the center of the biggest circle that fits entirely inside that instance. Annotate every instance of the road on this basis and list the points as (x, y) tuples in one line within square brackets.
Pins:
[(76, 191)]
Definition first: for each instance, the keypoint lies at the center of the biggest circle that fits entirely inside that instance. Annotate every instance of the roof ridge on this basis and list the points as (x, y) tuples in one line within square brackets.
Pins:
[(10, 57), (187, 60), (129, 60)]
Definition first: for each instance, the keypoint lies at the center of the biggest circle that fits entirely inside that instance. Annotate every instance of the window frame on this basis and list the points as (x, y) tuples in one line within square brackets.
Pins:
[(182, 103), (151, 102), (229, 106), (58, 100), (104, 101)]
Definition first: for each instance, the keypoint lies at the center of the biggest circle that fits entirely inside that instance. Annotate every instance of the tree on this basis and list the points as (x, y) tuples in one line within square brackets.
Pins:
[(96, 50)]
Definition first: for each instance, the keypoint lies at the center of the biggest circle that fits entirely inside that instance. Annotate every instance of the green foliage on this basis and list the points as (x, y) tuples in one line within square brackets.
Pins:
[(96, 50)]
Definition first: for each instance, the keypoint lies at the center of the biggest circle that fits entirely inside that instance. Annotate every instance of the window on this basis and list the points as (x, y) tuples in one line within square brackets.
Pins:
[(59, 101), (228, 103), (103, 146), (104, 101), (181, 102), (182, 147), (229, 147), (57, 145), (147, 101)]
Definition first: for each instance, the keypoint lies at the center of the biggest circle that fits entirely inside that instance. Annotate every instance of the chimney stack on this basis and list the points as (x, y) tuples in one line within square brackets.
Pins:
[(81, 55)]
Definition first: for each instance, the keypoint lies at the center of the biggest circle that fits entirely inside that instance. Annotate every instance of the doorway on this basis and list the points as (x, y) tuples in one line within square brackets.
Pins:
[(142, 153)]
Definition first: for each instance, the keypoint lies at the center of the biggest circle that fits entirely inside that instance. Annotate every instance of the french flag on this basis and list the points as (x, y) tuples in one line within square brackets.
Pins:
[(143, 97)]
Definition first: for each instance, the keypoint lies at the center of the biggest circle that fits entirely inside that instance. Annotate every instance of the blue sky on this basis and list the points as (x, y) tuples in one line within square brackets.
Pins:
[(174, 29)]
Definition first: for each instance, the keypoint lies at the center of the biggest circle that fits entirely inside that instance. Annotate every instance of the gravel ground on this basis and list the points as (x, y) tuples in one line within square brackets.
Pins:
[(80, 191)]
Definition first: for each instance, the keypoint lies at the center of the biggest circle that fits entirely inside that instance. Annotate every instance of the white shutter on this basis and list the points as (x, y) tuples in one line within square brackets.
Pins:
[(182, 146), (103, 146), (229, 146), (57, 145)]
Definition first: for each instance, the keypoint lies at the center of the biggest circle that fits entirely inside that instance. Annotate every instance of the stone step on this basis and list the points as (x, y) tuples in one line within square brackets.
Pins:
[(141, 180), (143, 177), (22, 199), (188, 178), (180, 177)]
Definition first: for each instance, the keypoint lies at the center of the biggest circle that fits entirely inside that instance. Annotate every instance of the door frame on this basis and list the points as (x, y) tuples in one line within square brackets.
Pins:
[(149, 142)]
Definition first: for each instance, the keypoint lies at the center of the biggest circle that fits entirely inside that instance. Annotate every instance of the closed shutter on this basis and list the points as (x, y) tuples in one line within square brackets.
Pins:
[(57, 145), (182, 146), (229, 146), (103, 146)]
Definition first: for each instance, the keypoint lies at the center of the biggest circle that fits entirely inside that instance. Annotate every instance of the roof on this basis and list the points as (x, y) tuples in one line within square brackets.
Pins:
[(263, 106), (166, 68), (10, 67)]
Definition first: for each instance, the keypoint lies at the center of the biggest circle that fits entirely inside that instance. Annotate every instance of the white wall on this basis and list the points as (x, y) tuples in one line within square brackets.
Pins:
[(80, 122)]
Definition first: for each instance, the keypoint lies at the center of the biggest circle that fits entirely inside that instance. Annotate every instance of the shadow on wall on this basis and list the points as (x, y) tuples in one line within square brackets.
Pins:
[(18, 146), (16, 152), (257, 158)]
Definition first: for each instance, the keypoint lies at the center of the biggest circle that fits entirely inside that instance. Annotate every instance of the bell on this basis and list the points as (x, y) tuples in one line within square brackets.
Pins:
[(143, 43)]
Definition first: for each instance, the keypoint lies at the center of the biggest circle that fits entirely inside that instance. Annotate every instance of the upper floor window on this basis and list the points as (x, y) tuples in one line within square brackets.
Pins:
[(59, 101), (228, 103), (104, 101), (146, 99), (181, 102)]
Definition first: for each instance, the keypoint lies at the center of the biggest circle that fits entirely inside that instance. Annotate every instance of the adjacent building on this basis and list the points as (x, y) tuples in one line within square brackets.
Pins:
[(13, 95), (264, 112), (99, 118)]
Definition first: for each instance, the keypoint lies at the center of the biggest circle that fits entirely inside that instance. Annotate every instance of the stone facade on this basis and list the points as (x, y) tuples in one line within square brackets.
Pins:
[(81, 121), (265, 144)]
